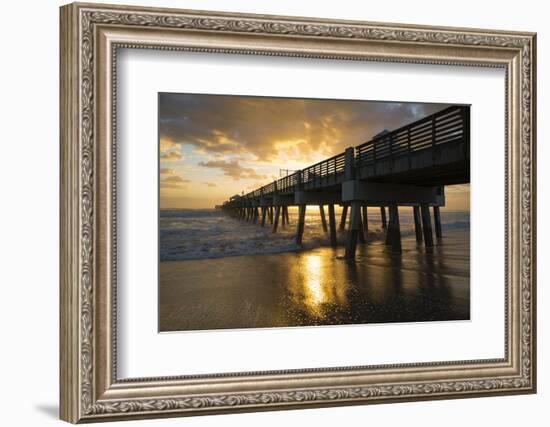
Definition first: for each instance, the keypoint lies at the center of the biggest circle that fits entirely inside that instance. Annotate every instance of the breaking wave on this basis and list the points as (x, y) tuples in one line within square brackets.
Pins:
[(187, 234)]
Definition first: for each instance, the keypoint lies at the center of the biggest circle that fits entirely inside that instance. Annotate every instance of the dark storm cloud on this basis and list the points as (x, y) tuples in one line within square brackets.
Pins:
[(265, 127)]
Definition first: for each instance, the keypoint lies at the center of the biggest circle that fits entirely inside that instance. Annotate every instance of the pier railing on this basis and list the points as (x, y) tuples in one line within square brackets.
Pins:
[(445, 126), (324, 173)]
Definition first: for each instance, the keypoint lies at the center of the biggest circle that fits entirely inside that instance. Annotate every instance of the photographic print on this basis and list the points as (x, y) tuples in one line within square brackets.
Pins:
[(281, 212)]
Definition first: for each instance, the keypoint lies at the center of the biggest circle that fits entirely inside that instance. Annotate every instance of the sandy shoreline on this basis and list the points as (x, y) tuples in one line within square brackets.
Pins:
[(315, 287)]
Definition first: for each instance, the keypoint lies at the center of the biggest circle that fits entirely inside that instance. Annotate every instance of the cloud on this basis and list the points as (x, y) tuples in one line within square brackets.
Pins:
[(171, 156), (210, 184), (269, 129), (175, 178), (167, 171), (166, 145), (172, 181), (233, 169), (169, 151)]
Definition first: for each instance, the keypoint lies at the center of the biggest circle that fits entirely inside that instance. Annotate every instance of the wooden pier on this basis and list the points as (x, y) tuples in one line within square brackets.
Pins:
[(409, 166)]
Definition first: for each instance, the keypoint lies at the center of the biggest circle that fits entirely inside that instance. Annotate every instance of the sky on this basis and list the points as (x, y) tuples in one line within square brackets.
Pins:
[(214, 146)]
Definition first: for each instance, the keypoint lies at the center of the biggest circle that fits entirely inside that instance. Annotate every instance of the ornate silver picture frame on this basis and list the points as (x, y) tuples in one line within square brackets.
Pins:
[(91, 390)]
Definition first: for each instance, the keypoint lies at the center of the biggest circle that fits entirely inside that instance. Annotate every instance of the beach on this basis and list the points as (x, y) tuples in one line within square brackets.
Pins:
[(231, 284)]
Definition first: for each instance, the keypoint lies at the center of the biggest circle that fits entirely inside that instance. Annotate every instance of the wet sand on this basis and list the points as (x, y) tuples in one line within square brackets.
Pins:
[(316, 287)]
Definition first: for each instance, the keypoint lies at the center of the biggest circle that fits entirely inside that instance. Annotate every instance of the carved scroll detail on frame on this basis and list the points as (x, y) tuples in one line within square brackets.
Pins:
[(320, 395), (90, 18)]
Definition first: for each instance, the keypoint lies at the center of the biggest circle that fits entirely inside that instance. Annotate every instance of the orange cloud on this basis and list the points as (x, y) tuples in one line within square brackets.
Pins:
[(171, 156), (169, 150), (173, 181)]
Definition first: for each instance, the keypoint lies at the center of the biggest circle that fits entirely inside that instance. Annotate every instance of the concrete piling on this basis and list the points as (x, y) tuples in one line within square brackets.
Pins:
[(353, 230), (437, 221), (417, 223), (301, 224), (343, 217), (395, 229), (365, 221), (276, 220), (286, 214), (383, 217), (360, 232), (264, 212), (323, 219), (332, 224), (427, 225)]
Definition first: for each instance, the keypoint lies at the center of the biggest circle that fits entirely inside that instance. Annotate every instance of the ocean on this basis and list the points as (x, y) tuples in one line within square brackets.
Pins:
[(187, 234)]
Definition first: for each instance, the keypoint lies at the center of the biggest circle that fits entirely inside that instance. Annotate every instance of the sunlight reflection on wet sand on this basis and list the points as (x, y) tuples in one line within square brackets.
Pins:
[(317, 287)]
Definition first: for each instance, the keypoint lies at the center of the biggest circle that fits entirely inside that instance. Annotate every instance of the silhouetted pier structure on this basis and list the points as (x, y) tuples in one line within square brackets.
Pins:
[(409, 166)]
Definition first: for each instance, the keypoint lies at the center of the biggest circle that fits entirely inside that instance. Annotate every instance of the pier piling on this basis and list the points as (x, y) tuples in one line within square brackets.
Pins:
[(437, 221), (276, 220), (383, 216), (264, 212), (417, 223), (427, 225), (353, 230), (301, 224), (365, 221), (323, 219), (361, 233), (332, 224), (343, 217), (394, 231)]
